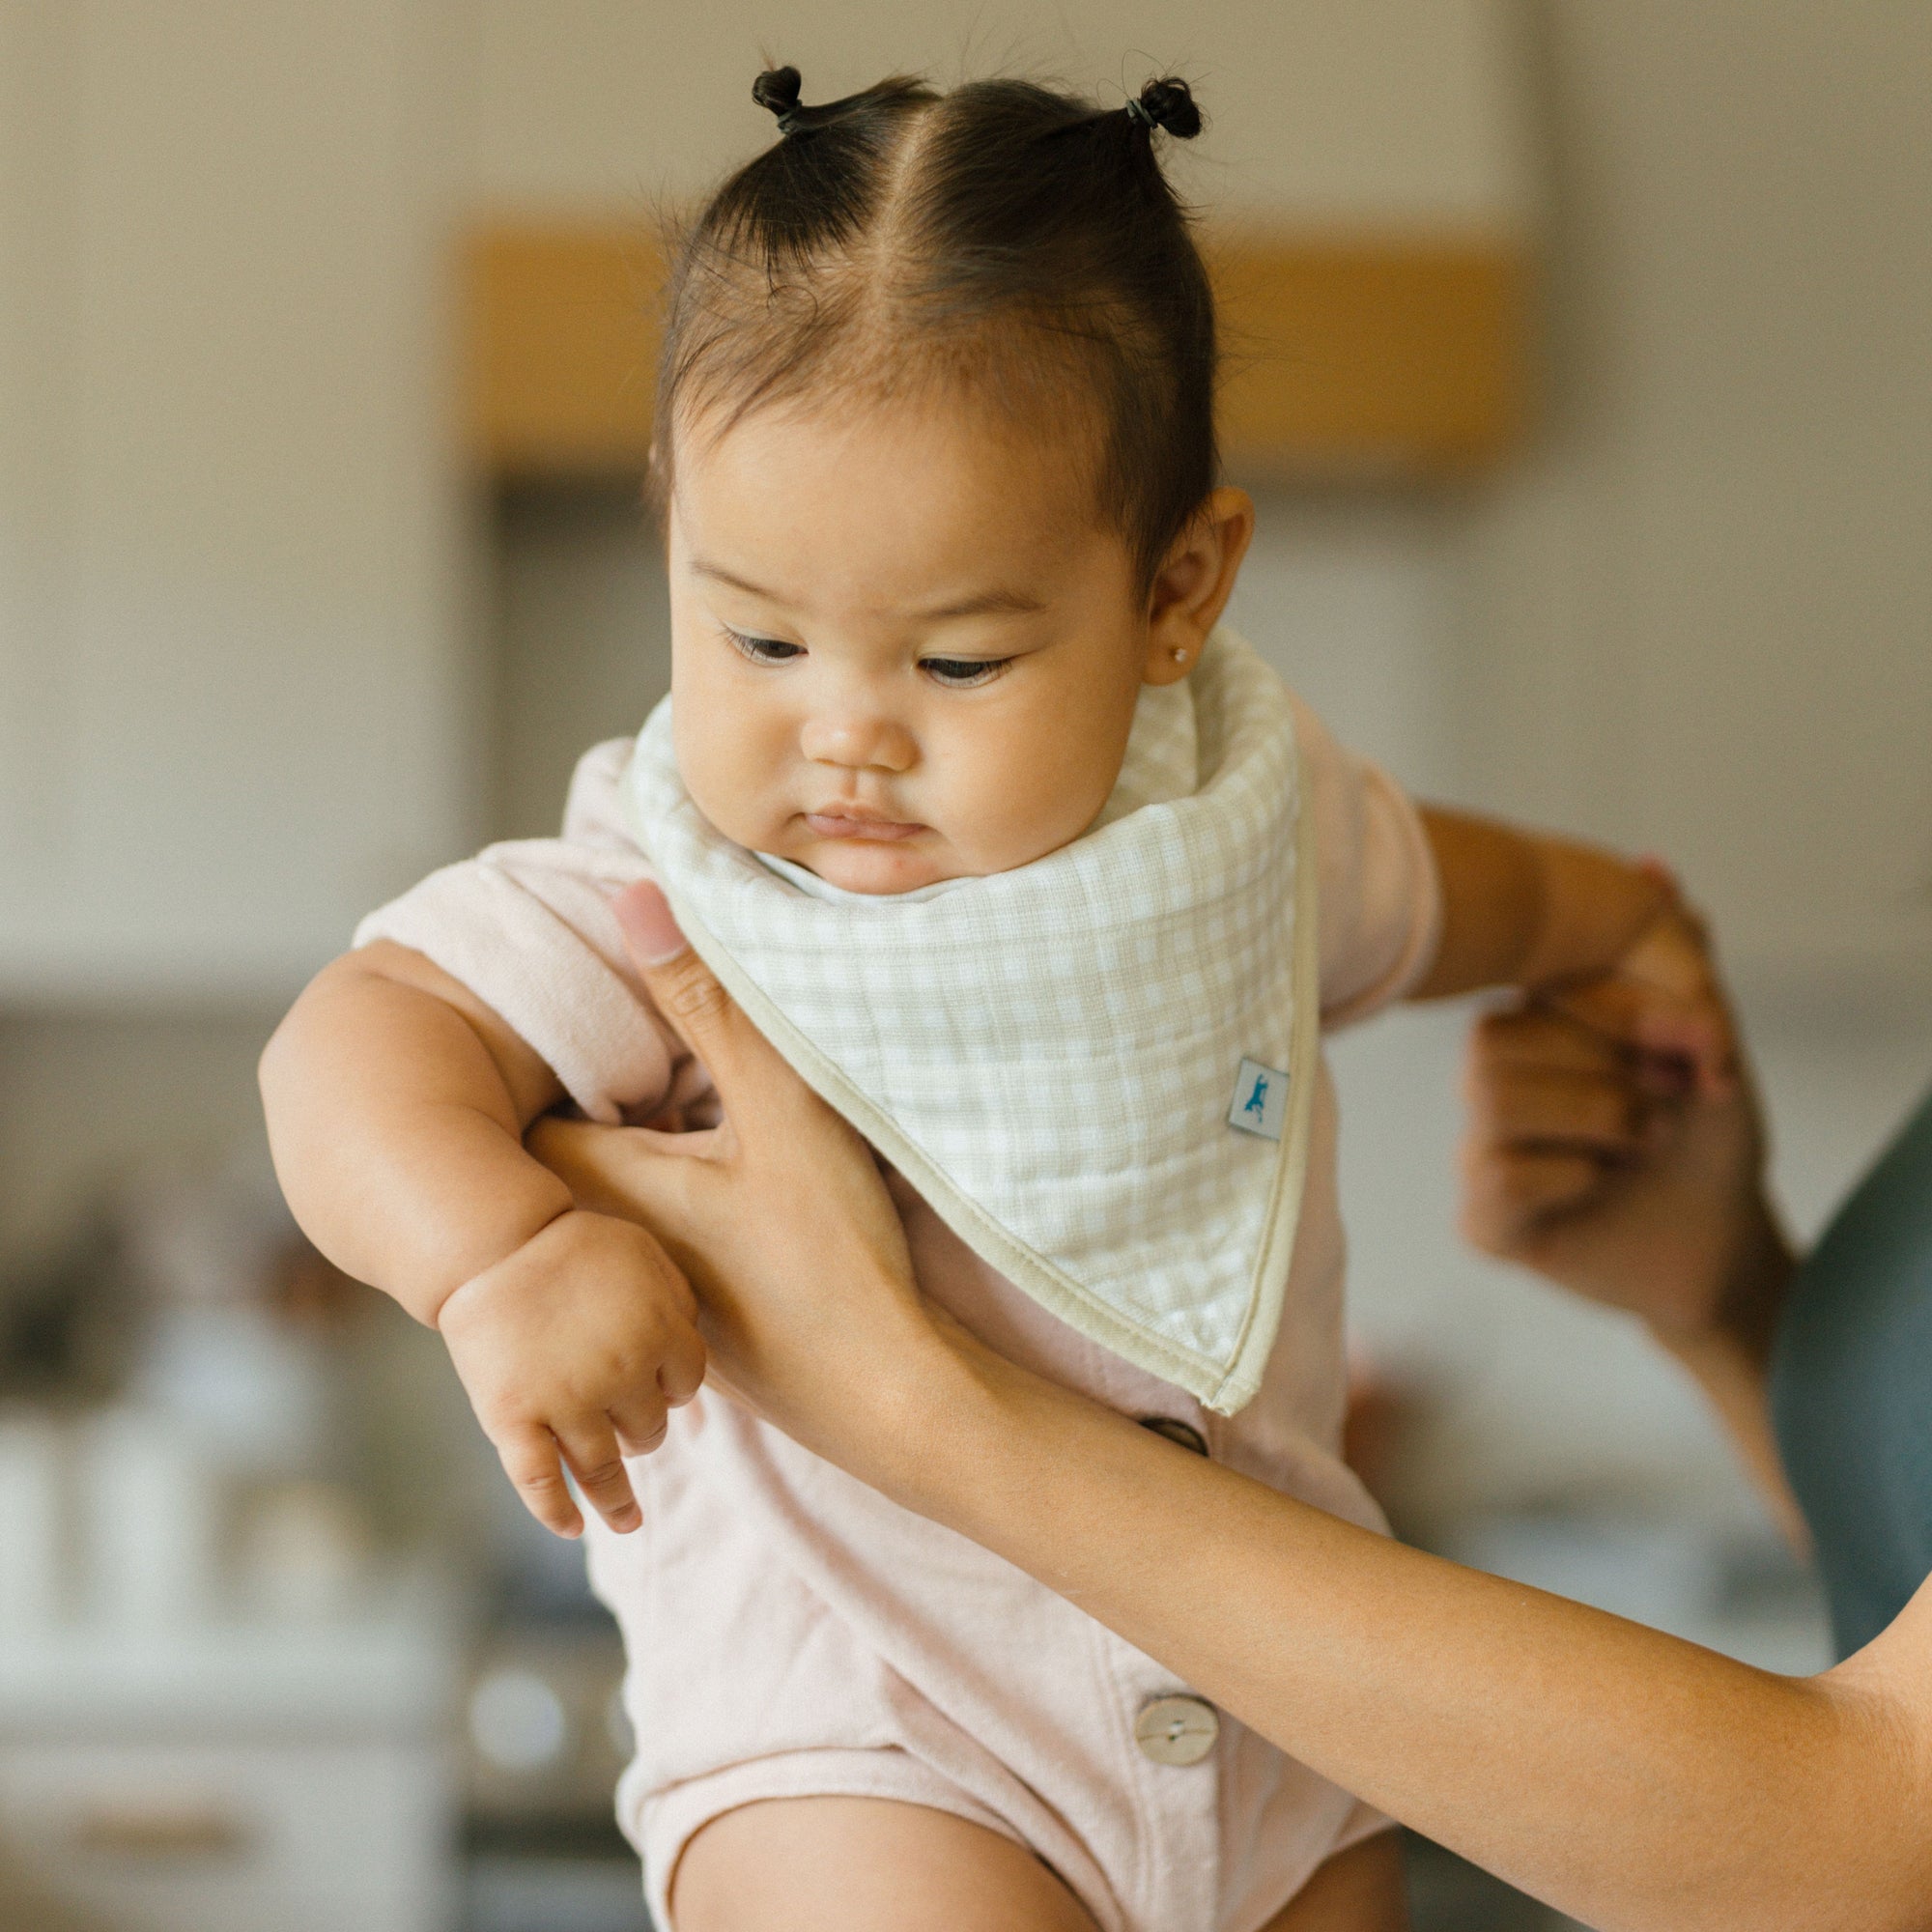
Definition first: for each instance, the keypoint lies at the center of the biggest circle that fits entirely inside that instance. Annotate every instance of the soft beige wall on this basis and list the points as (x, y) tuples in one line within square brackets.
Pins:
[(230, 704), (1390, 113), (1702, 618)]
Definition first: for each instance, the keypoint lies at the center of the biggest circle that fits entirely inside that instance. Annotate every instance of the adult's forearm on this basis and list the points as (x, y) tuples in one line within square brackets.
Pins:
[(1640, 1784), (1730, 1360)]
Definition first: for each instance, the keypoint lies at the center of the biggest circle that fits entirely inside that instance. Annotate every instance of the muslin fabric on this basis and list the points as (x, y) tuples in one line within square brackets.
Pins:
[(1050, 1054)]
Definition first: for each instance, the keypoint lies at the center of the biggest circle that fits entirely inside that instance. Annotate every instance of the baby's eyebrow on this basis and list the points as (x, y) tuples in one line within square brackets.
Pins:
[(719, 574), (984, 603), (980, 604)]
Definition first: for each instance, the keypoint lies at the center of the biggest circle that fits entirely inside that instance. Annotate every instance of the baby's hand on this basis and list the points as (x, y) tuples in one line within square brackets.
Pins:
[(571, 1349)]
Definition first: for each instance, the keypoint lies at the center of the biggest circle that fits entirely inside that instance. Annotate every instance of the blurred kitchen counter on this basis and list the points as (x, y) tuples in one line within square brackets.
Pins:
[(234, 1775)]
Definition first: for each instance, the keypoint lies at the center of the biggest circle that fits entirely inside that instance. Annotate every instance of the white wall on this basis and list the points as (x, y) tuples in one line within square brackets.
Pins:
[(230, 710), (1702, 618), (1386, 113)]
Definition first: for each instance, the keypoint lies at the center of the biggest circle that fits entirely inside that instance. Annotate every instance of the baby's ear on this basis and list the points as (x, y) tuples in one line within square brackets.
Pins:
[(1195, 580)]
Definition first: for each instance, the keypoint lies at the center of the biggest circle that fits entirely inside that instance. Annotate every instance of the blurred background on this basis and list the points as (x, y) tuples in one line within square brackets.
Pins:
[(1580, 373)]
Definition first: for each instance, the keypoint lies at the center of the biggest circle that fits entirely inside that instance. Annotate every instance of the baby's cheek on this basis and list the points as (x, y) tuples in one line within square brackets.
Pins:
[(1036, 802), (731, 778)]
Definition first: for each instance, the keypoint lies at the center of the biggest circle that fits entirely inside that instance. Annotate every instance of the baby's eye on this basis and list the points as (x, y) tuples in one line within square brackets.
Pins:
[(962, 672), (763, 650)]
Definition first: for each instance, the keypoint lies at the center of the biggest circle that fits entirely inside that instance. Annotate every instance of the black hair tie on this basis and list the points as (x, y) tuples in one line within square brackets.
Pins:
[(1167, 104), (776, 90)]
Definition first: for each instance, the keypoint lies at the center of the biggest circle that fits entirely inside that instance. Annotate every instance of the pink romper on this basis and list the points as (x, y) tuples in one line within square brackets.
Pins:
[(789, 1631)]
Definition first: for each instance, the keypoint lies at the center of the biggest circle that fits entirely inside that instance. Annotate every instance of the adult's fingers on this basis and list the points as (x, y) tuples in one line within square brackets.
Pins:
[(589, 1445), (688, 995), (1535, 1037), (1511, 1195), (1602, 1112), (534, 1464)]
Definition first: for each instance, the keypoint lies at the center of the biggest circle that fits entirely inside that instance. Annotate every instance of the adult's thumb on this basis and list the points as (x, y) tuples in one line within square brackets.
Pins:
[(650, 928), (686, 990)]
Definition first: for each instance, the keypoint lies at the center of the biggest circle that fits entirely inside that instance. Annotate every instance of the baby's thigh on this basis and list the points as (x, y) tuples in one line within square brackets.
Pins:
[(1362, 1890), (864, 1865)]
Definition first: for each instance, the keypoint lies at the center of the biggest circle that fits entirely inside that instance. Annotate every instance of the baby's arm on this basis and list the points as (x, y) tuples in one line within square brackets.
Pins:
[(1526, 909), (396, 1104)]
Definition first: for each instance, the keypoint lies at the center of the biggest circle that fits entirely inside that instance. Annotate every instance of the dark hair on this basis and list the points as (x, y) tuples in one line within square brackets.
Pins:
[(1002, 235)]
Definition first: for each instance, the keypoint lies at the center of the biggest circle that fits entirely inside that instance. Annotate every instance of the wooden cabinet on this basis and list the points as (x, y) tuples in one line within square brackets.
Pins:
[(229, 714), (1372, 358)]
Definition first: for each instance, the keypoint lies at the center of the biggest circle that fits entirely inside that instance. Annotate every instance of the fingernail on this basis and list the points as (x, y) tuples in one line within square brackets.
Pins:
[(645, 915)]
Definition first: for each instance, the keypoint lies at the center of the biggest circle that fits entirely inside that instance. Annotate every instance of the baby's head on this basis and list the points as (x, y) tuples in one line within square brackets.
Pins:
[(936, 456)]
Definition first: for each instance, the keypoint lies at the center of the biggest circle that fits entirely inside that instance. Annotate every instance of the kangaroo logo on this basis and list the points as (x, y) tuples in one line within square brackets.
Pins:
[(1258, 1105)]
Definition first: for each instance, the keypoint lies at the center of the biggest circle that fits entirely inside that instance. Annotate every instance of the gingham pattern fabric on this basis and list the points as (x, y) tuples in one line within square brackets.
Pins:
[(1049, 1054)]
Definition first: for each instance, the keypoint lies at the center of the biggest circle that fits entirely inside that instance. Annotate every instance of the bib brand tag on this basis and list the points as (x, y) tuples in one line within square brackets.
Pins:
[(1260, 1100)]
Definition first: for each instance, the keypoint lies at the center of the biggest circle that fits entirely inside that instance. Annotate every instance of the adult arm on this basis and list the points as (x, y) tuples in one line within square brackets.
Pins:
[(1636, 1781)]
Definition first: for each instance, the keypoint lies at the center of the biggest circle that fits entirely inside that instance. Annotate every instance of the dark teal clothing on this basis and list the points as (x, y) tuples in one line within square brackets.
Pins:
[(1851, 1391)]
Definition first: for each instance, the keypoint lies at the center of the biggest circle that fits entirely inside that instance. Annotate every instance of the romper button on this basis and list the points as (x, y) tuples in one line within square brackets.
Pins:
[(1176, 1430), (1176, 1731)]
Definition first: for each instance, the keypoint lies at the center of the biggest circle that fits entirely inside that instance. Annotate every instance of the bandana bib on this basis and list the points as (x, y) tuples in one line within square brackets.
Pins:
[(1097, 1068)]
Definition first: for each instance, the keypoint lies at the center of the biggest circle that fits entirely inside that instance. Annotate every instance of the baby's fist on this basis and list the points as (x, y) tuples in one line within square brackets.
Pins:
[(572, 1349)]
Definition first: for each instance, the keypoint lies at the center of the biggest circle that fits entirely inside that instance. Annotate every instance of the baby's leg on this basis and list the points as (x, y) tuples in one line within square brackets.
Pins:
[(1361, 1890), (867, 1864)]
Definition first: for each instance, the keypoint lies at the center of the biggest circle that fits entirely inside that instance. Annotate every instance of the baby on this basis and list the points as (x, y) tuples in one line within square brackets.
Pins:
[(1017, 856)]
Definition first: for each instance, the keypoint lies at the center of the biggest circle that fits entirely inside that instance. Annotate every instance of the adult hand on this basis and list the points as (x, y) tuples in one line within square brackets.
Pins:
[(778, 1216), (1615, 1144)]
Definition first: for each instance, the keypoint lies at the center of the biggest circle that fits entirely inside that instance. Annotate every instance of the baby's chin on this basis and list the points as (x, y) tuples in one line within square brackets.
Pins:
[(876, 867)]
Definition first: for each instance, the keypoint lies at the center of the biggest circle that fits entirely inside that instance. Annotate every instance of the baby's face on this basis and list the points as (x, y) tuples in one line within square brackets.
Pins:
[(904, 647)]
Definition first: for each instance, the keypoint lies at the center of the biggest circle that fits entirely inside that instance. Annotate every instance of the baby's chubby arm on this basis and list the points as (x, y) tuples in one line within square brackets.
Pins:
[(396, 1104), (1584, 932), (1527, 909)]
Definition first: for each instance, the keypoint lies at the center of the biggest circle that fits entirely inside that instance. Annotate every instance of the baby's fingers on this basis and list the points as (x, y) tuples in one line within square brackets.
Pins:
[(681, 1366), (590, 1447), (1695, 1032), (530, 1459)]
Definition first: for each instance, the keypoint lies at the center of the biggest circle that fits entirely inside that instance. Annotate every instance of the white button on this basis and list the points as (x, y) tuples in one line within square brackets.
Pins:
[(1176, 1731)]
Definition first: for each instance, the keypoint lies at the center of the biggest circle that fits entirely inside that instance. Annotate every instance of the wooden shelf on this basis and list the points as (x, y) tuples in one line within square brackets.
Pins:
[(1369, 357)]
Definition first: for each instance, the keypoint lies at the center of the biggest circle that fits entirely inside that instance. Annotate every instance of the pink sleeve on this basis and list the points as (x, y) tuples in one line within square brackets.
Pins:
[(1379, 900), (528, 928)]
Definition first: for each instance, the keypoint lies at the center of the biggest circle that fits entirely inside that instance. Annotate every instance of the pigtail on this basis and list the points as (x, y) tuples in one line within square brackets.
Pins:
[(1168, 103), (1031, 248)]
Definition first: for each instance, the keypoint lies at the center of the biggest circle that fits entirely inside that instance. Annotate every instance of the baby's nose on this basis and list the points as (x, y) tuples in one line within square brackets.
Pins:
[(855, 742)]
